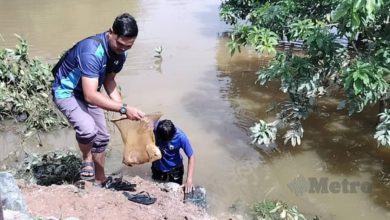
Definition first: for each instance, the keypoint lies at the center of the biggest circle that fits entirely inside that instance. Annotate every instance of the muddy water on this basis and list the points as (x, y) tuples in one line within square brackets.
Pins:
[(213, 98)]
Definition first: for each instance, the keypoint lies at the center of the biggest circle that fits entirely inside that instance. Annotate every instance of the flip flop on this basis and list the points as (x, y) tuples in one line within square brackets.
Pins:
[(86, 169), (141, 198), (118, 184)]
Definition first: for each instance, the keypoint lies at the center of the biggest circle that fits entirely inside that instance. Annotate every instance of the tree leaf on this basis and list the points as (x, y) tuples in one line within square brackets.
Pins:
[(358, 86), (357, 5), (340, 11)]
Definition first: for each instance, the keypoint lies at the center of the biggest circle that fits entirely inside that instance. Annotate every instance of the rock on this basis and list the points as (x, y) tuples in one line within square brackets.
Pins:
[(71, 218), (12, 215), (51, 218), (170, 187), (196, 197), (11, 196), (1, 209)]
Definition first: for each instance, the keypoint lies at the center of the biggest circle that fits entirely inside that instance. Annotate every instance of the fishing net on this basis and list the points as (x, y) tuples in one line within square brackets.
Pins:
[(138, 139), (197, 197)]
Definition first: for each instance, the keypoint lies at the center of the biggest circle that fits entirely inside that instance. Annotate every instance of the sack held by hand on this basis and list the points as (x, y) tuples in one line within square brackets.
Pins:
[(138, 139)]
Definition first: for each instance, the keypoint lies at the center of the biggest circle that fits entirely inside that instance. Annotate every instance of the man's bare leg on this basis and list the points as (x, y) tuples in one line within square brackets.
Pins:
[(99, 160), (86, 155)]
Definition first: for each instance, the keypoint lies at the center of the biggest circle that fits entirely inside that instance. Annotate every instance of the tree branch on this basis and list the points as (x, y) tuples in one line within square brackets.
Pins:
[(355, 48)]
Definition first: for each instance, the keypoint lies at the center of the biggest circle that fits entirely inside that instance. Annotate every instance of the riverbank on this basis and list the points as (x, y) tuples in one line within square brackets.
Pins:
[(92, 202)]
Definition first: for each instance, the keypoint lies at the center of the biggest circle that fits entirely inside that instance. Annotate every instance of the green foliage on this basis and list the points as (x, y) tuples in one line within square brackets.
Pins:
[(362, 86), (359, 69), (383, 129), (275, 210), (263, 133), (50, 168), (355, 16), (25, 89), (263, 40)]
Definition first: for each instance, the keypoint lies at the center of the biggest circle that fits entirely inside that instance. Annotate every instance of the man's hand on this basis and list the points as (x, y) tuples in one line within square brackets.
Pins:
[(188, 187), (134, 113)]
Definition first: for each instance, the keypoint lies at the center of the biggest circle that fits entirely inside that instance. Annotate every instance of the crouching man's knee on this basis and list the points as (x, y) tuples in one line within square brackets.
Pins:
[(85, 138), (100, 144)]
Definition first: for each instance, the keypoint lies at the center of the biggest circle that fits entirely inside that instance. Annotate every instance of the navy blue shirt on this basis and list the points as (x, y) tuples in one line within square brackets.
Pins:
[(89, 58), (171, 157)]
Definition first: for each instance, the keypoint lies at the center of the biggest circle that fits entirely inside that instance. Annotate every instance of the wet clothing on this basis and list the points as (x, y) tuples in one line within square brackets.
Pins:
[(175, 175), (90, 58), (93, 58), (170, 166)]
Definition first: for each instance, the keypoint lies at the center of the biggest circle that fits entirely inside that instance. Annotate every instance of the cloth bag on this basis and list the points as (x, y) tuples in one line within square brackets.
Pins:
[(138, 139)]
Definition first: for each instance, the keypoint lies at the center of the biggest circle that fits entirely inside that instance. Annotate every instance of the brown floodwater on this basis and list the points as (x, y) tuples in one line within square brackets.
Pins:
[(214, 99)]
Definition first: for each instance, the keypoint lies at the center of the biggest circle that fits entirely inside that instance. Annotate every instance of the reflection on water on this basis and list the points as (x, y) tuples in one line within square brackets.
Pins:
[(214, 99), (237, 76)]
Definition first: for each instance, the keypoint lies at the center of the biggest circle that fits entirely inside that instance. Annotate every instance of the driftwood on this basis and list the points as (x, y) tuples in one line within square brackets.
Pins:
[(138, 139)]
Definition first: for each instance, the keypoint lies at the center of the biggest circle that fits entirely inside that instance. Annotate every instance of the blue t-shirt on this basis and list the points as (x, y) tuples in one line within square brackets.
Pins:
[(170, 151), (89, 58)]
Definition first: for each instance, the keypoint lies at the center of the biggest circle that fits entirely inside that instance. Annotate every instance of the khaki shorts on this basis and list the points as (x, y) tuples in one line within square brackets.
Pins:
[(87, 120)]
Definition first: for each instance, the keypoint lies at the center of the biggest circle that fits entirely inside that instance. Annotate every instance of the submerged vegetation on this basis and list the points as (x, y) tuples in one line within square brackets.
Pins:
[(346, 49), (275, 210), (268, 210), (25, 94)]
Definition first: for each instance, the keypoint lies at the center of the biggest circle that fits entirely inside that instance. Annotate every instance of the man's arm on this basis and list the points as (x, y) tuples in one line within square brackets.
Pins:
[(188, 187), (94, 97), (111, 87)]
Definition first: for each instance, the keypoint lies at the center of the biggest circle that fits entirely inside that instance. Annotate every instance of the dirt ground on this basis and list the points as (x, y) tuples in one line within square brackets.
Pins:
[(92, 202)]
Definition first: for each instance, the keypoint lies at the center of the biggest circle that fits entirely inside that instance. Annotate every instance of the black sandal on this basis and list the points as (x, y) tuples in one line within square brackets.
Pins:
[(85, 169), (141, 198), (118, 184)]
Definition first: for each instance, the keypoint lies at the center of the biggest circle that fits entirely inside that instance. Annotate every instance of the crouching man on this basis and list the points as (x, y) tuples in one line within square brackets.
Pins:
[(170, 167)]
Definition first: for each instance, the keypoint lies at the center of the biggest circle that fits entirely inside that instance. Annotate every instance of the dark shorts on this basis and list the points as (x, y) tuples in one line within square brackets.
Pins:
[(87, 120), (175, 175)]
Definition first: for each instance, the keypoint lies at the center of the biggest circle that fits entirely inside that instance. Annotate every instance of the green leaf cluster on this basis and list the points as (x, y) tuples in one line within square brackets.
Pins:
[(57, 167), (25, 90), (276, 210), (364, 84), (383, 129), (346, 48), (263, 133)]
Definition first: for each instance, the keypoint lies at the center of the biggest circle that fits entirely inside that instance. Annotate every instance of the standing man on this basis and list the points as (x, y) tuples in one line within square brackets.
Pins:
[(78, 78), (169, 168)]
